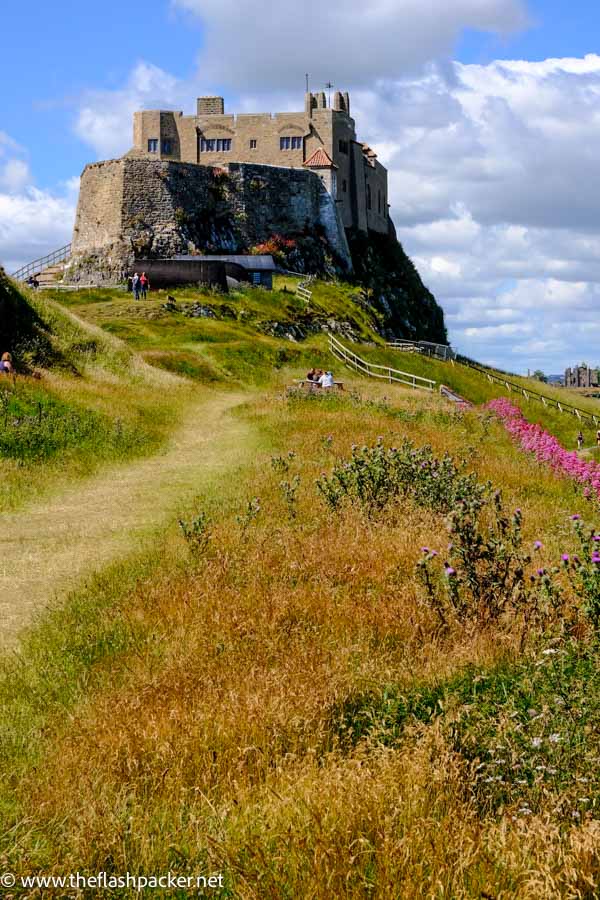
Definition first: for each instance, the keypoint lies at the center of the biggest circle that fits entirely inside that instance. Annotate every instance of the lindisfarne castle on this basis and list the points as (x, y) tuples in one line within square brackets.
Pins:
[(320, 138), (298, 185), (219, 182)]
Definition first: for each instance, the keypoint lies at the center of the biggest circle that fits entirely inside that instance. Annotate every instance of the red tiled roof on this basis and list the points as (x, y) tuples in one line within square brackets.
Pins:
[(320, 160)]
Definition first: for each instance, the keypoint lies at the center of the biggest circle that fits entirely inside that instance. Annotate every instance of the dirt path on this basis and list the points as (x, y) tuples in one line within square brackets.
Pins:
[(48, 549)]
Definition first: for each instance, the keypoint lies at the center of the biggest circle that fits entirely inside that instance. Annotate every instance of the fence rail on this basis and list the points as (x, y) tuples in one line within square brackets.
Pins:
[(374, 371), (303, 290), (440, 351), (35, 267), (511, 386)]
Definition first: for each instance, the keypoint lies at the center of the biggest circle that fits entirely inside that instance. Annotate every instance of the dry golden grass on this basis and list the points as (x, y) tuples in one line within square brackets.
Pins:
[(216, 745)]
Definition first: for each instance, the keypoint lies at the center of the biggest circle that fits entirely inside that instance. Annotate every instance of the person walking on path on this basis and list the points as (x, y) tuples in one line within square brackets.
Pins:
[(580, 441), (6, 364), (144, 285), (598, 438), (135, 286)]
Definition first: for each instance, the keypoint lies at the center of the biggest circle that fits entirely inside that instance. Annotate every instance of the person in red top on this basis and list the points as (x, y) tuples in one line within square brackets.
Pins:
[(144, 285)]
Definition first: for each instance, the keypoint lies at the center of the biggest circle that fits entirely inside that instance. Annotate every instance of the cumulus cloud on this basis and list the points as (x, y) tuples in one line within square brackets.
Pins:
[(494, 179), (104, 119), (259, 44), (32, 221)]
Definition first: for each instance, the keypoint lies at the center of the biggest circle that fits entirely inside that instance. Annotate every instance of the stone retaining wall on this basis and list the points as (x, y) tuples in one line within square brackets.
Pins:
[(134, 207)]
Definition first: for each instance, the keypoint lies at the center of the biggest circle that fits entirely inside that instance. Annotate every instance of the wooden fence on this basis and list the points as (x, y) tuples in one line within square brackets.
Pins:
[(350, 359)]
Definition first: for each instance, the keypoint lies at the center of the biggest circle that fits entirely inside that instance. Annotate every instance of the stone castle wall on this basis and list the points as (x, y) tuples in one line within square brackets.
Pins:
[(255, 139), (144, 208)]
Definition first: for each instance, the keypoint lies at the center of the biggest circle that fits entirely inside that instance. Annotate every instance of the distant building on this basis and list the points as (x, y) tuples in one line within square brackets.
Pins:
[(581, 377)]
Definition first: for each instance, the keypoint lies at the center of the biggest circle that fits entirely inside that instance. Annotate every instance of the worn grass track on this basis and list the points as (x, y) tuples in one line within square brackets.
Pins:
[(48, 549)]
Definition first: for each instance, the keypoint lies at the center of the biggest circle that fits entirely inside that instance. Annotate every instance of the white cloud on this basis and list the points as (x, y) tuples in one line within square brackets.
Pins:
[(14, 175), (253, 44), (32, 222), (105, 118)]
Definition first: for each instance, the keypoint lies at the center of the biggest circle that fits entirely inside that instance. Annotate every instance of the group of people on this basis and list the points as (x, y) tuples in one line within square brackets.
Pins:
[(323, 379), (6, 364), (32, 282), (580, 439), (138, 285)]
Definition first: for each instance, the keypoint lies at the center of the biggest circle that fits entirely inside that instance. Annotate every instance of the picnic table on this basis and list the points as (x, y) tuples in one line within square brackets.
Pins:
[(315, 386)]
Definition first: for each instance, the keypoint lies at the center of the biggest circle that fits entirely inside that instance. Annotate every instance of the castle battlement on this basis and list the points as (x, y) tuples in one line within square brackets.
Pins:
[(354, 177)]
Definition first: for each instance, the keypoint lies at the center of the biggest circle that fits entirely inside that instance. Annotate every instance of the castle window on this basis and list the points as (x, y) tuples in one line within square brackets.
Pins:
[(290, 143), (152, 145), (343, 145), (369, 198), (253, 144), (344, 186), (379, 202), (215, 145), (167, 148)]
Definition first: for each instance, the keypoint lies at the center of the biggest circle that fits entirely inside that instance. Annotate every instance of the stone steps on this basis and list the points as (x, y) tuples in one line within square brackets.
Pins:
[(51, 275)]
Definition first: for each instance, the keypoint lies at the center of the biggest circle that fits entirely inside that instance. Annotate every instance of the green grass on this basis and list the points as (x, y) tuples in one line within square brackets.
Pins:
[(89, 404), (475, 387), (277, 700)]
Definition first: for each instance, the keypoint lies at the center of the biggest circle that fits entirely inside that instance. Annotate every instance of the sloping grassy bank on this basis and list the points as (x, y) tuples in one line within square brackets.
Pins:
[(274, 697), (80, 400), (474, 386), (243, 337)]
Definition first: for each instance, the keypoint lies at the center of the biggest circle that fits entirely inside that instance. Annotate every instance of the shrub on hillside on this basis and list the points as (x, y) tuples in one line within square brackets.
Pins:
[(22, 330)]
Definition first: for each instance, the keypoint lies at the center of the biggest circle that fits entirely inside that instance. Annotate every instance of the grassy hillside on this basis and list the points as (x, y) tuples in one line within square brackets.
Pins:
[(79, 402), (362, 663), (474, 386)]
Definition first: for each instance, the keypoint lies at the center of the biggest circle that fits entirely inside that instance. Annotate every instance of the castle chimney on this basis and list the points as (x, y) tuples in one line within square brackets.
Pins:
[(310, 103), (346, 96), (210, 106)]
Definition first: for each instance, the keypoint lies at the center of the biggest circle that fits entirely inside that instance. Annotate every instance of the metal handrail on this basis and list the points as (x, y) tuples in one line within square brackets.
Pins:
[(35, 267), (392, 375), (440, 351)]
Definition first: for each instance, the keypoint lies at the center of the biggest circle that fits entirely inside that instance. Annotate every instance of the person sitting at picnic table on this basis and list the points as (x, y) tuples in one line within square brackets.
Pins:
[(6, 364), (311, 375), (326, 380)]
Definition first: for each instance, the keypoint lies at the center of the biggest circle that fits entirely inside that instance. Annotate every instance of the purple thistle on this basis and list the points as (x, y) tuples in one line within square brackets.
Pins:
[(449, 571), (537, 545)]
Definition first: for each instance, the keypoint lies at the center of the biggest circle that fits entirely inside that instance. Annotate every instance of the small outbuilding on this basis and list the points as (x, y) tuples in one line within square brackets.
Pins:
[(214, 271), (243, 267)]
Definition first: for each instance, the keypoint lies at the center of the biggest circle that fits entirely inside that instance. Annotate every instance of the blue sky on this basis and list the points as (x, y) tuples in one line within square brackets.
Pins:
[(491, 147), (80, 47)]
